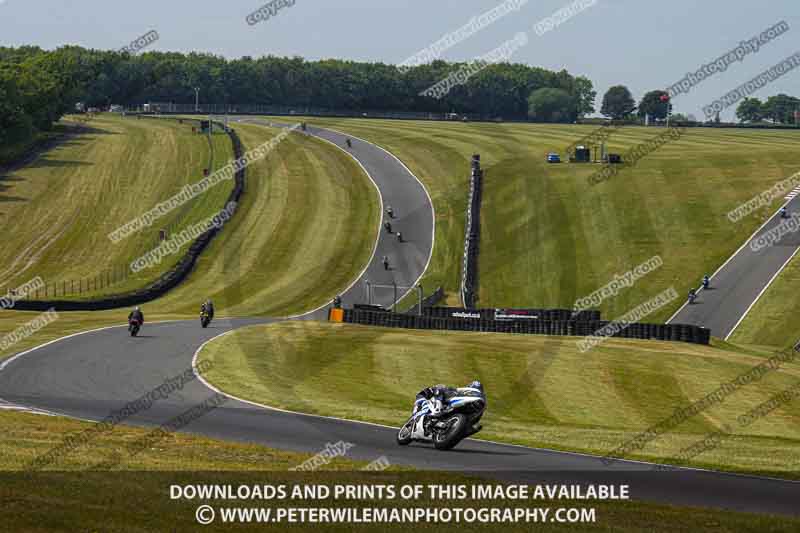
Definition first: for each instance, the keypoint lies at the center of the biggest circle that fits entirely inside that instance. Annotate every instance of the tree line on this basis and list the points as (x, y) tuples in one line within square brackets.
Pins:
[(619, 104), (37, 87), (778, 109)]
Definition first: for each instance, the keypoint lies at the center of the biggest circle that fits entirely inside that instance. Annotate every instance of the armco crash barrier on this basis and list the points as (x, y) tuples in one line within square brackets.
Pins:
[(664, 332), (469, 270), (166, 281)]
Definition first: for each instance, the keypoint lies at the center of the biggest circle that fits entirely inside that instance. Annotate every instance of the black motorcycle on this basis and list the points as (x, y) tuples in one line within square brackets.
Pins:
[(205, 318), (133, 326)]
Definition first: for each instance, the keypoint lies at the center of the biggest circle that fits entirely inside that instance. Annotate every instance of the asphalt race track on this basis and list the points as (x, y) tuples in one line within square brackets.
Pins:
[(413, 217), (91, 374), (736, 286)]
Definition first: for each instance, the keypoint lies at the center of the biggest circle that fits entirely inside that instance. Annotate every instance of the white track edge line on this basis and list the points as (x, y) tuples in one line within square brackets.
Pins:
[(425, 189), (529, 448), (419, 181), (377, 238), (731, 257), (263, 406), (761, 293)]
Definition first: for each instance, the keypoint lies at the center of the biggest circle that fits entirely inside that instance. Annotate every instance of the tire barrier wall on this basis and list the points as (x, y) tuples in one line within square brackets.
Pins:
[(663, 332), (469, 271), (512, 314), (168, 280)]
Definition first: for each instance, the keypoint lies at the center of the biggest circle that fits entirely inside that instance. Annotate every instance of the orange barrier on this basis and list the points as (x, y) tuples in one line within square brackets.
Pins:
[(336, 315)]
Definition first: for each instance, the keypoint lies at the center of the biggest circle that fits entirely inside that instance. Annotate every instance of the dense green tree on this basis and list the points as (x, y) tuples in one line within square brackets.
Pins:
[(652, 105), (618, 104), (48, 84), (15, 124), (780, 108), (552, 105), (750, 110), (585, 95)]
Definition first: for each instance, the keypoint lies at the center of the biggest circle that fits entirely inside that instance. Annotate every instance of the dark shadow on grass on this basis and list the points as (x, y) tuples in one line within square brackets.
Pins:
[(56, 163), (12, 199), (97, 131)]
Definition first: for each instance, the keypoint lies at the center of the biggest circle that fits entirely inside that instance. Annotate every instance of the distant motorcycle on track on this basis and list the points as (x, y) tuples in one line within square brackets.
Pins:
[(205, 319), (133, 326)]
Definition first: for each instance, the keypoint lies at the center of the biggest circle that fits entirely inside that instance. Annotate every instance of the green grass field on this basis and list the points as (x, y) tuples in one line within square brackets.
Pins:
[(775, 319), (304, 230), (542, 391), (58, 210), (549, 238)]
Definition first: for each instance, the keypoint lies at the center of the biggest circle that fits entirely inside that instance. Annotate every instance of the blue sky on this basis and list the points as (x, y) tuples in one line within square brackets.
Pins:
[(639, 43)]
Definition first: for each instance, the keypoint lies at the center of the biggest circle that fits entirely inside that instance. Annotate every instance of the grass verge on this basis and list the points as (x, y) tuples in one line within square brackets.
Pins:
[(542, 392)]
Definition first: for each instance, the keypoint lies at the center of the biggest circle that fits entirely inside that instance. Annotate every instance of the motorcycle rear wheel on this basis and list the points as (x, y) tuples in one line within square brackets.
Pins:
[(456, 427)]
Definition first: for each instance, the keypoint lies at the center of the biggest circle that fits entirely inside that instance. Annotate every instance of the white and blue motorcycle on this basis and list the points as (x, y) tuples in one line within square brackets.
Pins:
[(445, 422)]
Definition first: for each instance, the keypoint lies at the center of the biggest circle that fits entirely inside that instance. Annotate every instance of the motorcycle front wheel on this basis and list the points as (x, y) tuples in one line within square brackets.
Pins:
[(452, 434), (404, 435)]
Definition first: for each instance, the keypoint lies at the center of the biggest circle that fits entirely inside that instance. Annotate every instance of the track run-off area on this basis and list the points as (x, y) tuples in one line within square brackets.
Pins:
[(91, 374)]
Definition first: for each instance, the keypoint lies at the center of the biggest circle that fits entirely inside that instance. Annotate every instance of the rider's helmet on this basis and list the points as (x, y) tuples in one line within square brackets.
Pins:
[(136, 308), (476, 385)]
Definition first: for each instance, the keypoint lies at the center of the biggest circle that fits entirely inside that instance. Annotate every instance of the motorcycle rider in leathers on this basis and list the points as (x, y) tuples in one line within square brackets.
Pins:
[(440, 393)]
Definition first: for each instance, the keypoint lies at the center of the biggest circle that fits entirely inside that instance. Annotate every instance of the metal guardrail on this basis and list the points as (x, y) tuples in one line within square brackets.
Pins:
[(469, 271)]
